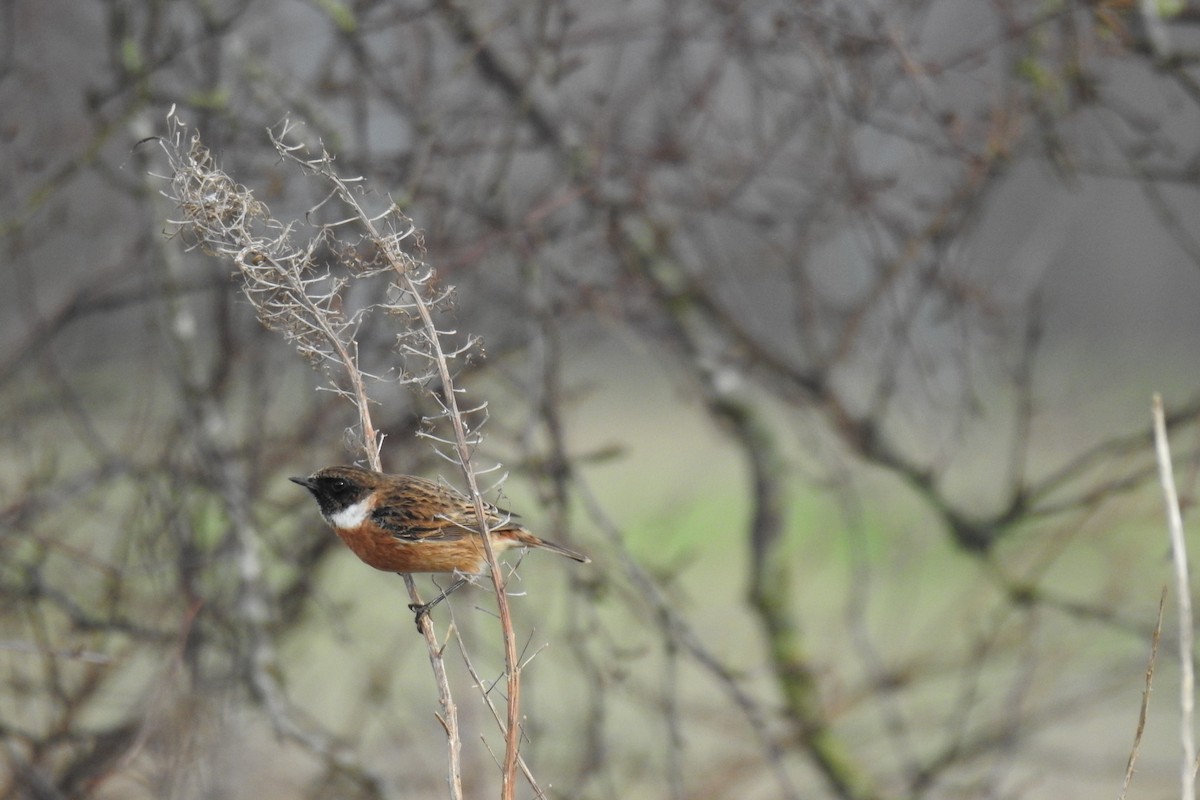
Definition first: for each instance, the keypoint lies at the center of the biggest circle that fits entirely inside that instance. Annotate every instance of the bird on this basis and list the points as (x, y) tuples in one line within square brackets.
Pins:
[(402, 523)]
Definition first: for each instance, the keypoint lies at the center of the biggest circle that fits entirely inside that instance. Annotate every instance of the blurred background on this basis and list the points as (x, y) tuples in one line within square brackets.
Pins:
[(828, 329)]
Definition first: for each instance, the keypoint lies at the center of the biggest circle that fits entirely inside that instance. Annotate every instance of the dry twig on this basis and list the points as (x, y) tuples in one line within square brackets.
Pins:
[(1141, 725), (1183, 603)]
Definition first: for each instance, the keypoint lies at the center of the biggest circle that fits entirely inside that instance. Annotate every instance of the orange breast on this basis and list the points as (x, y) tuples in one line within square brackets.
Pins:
[(383, 551)]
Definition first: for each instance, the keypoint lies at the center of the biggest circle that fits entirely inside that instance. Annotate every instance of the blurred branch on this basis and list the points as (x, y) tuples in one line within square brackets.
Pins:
[(770, 588), (675, 626), (95, 297)]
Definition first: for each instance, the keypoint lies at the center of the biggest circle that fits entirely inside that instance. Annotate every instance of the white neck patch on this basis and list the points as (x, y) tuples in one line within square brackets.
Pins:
[(351, 516)]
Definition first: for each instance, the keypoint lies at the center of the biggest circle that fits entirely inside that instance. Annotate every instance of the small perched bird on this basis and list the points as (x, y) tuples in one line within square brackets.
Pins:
[(400, 523)]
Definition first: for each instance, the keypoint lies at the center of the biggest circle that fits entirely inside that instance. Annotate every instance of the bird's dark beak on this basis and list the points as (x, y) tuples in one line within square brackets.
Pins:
[(303, 482)]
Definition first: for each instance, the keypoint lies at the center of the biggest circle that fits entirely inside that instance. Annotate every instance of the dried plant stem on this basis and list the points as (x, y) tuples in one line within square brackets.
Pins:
[(487, 699), (512, 731), (1141, 725), (342, 354), (223, 218), (512, 728), (1183, 602), (462, 446)]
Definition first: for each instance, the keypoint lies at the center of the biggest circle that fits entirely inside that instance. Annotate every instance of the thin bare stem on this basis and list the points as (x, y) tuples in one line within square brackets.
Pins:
[(1141, 725), (1184, 601), (223, 218), (484, 691), (404, 269), (512, 735)]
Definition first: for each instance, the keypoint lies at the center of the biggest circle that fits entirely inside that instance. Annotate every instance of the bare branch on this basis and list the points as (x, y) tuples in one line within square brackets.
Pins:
[(1183, 603)]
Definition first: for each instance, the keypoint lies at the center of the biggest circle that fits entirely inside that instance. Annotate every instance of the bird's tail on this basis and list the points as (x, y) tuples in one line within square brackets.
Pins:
[(529, 540)]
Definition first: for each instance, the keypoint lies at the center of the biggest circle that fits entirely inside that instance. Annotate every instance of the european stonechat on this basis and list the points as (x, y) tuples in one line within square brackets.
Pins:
[(401, 523)]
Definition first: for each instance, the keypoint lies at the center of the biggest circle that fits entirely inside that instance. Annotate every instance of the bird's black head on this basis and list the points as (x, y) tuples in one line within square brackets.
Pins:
[(338, 488)]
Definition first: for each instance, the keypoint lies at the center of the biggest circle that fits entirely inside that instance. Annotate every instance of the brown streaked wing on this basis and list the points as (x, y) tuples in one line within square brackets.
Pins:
[(418, 509), (401, 523)]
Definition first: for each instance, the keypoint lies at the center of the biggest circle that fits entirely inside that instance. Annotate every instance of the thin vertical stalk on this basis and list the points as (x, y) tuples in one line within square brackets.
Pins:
[(1187, 697)]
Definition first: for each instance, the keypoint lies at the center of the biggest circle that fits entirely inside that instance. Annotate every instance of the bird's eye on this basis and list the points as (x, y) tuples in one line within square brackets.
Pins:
[(338, 485)]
